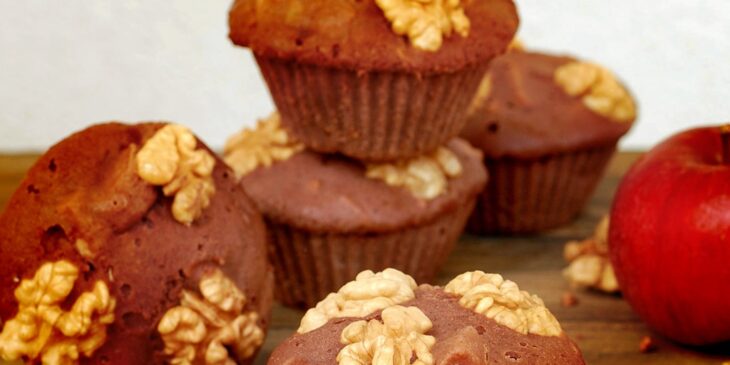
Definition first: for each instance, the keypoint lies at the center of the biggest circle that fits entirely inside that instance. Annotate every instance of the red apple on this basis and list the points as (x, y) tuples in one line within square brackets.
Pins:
[(670, 236)]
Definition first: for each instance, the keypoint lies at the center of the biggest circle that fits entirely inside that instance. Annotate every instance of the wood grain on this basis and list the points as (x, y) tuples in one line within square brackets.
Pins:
[(604, 326)]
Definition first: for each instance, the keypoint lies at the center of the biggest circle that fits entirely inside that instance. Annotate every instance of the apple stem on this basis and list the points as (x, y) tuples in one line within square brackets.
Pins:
[(725, 136)]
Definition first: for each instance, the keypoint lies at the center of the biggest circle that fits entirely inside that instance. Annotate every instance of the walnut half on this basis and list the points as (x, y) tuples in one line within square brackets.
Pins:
[(598, 89), (589, 264), (170, 159), (483, 93), (426, 22), (394, 341), (43, 330), (206, 326), (261, 146), (369, 292), (425, 176), (503, 301)]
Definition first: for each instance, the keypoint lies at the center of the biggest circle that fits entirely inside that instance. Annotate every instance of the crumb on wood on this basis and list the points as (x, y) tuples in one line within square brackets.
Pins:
[(569, 299), (647, 345)]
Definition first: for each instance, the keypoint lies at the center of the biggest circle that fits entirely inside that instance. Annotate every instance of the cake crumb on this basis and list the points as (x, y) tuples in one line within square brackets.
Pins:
[(647, 345), (314, 185), (569, 299)]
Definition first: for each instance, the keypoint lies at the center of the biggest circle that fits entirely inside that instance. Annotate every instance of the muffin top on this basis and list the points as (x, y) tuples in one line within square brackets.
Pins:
[(125, 263), (477, 318), (332, 193), (533, 104), (403, 35)]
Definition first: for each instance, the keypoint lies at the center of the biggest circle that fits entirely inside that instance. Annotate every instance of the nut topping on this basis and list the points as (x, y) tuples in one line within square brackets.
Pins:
[(426, 22), (43, 330), (425, 176), (261, 146), (598, 89), (503, 301), (400, 337), (170, 159), (589, 262), (206, 326), (369, 292)]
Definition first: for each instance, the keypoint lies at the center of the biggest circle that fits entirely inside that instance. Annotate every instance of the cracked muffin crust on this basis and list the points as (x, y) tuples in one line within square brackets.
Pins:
[(84, 208), (439, 329)]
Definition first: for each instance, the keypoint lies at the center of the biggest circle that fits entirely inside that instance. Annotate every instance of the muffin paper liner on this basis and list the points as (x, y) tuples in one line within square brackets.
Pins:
[(310, 265), (524, 196), (370, 115)]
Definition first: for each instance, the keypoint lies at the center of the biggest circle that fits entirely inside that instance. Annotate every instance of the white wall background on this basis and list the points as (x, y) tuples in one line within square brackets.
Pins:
[(67, 64)]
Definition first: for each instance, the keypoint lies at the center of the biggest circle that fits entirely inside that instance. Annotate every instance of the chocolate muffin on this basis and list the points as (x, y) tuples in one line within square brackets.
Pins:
[(132, 244), (331, 217), (384, 318), (373, 79), (548, 126)]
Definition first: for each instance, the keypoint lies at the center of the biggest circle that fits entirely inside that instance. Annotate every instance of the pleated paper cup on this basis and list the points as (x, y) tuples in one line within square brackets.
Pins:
[(310, 265), (532, 195), (370, 115)]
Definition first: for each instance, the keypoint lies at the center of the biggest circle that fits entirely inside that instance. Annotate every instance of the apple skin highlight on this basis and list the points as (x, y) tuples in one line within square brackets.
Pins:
[(670, 237)]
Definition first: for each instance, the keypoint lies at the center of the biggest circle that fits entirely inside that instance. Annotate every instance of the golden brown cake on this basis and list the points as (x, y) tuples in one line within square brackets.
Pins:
[(132, 244), (385, 318), (548, 125), (373, 79), (331, 217)]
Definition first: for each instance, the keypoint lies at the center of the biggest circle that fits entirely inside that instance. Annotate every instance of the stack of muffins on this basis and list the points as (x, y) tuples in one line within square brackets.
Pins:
[(359, 169)]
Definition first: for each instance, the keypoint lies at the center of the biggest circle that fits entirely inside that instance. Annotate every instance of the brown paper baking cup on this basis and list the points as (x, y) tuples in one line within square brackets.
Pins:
[(309, 265), (524, 196), (374, 116)]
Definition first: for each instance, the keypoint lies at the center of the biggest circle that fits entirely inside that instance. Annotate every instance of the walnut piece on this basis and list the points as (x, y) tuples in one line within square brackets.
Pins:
[(485, 86), (485, 89), (369, 292), (425, 22), (170, 159), (568, 299), (82, 247), (205, 326), (647, 345), (503, 301), (42, 329), (394, 341), (517, 45), (598, 89), (425, 176), (589, 264), (261, 146)]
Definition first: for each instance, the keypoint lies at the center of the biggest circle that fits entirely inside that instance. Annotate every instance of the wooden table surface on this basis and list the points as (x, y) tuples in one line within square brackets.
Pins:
[(604, 326)]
